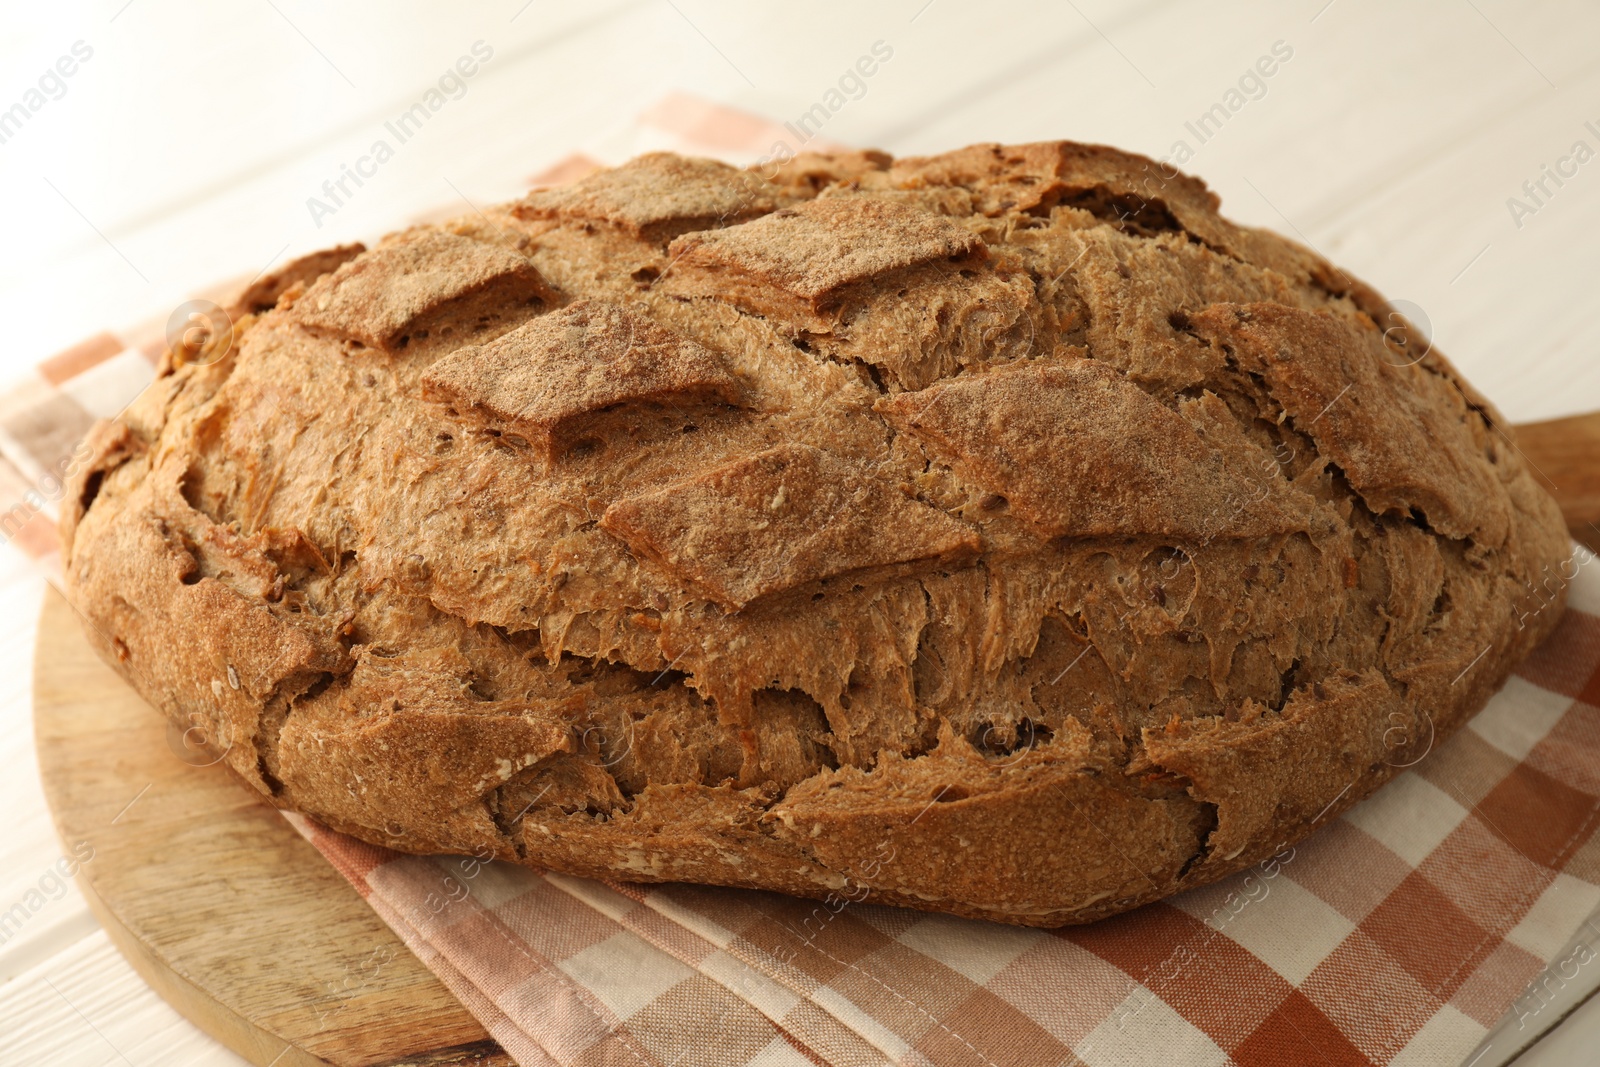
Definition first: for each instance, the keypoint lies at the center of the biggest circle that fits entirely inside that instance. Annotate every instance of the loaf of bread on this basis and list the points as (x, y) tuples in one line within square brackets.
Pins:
[(1002, 533)]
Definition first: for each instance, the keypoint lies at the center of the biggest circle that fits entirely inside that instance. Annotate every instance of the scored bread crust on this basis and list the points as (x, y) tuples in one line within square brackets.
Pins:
[(1002, 533)]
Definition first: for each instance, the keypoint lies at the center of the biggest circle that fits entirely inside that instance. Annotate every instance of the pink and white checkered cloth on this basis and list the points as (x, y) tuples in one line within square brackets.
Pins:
[(1400, 933)]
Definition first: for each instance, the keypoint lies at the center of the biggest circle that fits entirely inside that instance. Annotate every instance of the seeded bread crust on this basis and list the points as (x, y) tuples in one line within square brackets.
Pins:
[(1002, 533)]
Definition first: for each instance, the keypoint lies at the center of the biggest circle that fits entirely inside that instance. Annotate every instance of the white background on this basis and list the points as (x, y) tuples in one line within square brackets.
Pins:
[(184, 151)]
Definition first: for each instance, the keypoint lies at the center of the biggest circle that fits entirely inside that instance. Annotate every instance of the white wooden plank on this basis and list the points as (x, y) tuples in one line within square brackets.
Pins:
[(1517, 320), (40, 911), (86, 1007)]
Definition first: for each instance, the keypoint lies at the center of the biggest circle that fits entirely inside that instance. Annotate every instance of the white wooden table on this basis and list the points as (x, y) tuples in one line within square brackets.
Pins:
[(184, 144)]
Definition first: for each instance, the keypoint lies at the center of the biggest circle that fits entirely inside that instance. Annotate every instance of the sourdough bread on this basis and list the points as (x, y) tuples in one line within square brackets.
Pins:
[(1003, 533)]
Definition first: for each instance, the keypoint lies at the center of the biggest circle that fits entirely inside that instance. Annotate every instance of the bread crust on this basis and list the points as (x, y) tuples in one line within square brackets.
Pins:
[(1002, 533)]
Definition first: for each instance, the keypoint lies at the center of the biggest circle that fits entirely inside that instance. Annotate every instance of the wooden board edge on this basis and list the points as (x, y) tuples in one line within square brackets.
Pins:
[(189, 1000), (255, 1040), (478, 1054), (193, 1003), (1565, 457)]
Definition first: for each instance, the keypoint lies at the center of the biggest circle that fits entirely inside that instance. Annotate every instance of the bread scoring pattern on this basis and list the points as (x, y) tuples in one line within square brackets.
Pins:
[(400, 289), (783, 518), (1075, 449), (1008, 507), (543, 383)]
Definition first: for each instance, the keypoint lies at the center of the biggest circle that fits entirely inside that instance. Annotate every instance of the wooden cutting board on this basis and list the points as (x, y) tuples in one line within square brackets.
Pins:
[(216, 901), (1565, 456), (240, 924)]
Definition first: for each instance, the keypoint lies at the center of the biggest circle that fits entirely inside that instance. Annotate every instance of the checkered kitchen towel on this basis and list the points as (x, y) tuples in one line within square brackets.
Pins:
[(1398, 934)]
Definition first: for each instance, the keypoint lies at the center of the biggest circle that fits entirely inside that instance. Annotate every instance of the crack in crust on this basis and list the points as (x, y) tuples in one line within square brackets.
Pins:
[(1008, 512)]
